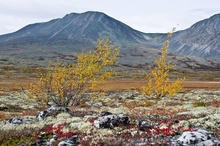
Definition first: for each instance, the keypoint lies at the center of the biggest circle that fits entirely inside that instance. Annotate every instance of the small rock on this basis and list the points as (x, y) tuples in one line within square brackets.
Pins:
[(15, 121), (3, 107), (143, 125), (18, 120), (110, 121), (106, 113), (194, 137), (73, 141), (206, 143), (98, 104), (42, 142), (45, 113), (42, 115)]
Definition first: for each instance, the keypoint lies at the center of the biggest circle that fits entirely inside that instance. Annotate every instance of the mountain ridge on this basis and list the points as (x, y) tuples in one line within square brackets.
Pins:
[(75, 31), (70, 19), (202, 39)]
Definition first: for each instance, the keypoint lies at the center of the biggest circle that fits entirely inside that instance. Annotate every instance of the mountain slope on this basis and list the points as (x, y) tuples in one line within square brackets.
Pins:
[(202, 39), (60, 38), (75, 28)]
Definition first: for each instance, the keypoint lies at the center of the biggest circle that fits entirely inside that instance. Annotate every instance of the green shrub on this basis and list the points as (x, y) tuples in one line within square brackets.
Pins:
[(199, 104)]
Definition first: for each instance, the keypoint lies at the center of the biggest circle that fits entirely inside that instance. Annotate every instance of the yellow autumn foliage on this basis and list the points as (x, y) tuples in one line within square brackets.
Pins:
[(64, 84), (158, 82)]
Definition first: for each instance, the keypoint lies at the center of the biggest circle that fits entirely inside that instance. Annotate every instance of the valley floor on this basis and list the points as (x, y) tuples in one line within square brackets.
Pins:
[(14, 84), (196, 106), (170, 117)]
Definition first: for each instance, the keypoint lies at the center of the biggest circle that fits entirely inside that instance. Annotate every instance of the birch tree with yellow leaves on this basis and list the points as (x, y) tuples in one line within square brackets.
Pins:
[(64, 84), (158, 82)]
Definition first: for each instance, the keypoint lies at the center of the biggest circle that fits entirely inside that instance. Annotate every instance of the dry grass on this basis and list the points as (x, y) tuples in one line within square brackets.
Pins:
[(29, 112), (134, 103), (3, 116), (11, 79), (14, 84), (158, 111), (122, 84), (197, 75), (212, 85)]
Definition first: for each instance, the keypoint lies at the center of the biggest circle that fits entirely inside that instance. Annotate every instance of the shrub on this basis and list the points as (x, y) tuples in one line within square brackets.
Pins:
[(133, 104), (2, 116), (17, 137), (158, 83), (58, 131), (65, 84), (213, 103), (199, 104)]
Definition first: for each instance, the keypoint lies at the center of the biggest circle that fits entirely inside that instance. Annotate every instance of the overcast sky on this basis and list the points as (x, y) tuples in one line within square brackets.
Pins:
[(143, 15)]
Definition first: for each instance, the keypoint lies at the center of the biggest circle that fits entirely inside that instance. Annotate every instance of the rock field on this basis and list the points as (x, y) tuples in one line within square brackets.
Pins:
[(119, 118)]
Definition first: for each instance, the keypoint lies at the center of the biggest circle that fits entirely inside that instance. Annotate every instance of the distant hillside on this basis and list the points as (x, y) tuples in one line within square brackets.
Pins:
[(201, 40), (76, 29), (59, 38)]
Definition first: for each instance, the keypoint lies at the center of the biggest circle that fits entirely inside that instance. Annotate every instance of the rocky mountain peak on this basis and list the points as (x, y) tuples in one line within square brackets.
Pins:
[(200, 40), (75, 31), (76, 28)]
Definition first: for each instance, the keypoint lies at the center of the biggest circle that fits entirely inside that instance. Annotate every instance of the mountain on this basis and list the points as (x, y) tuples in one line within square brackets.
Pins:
[(41, 43), (74, 29), (202, 39)]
